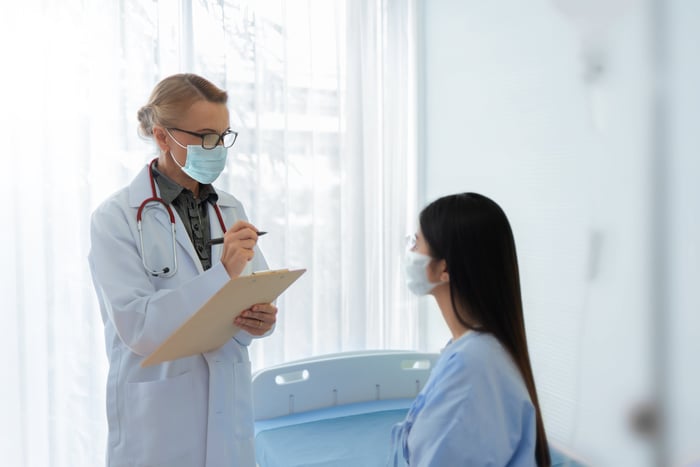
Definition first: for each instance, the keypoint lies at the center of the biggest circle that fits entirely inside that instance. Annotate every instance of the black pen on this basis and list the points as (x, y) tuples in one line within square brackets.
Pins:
[(217, 241)]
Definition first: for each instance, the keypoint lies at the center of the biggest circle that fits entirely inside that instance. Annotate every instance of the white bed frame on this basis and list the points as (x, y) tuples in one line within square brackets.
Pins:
[(346, 378), (339, 379)]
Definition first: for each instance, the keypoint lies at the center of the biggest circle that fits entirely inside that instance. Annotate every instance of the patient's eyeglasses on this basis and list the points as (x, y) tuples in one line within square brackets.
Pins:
[(411, 241)]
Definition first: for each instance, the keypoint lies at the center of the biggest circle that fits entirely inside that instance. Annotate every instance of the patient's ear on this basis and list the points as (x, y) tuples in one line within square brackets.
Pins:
[(444, 274)]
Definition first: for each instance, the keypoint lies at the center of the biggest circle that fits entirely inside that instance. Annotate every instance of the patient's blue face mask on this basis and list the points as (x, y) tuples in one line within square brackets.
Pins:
[(203, 165)]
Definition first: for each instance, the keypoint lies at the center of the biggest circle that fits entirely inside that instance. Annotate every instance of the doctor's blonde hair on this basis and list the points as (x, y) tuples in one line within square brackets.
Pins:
[(172, 97)]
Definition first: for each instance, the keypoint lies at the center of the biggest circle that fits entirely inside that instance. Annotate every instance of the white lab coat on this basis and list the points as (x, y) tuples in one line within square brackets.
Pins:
[(191, 412)]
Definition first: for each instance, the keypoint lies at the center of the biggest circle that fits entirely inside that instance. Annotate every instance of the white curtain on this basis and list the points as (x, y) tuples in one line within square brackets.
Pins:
[(323, 94)]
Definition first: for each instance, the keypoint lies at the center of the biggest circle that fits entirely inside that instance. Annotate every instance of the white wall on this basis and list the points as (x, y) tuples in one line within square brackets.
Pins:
[(683, 111), (508, 114)]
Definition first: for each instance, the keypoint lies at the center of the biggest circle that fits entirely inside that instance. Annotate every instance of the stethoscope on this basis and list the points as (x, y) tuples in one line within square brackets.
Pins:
[(166, 271)]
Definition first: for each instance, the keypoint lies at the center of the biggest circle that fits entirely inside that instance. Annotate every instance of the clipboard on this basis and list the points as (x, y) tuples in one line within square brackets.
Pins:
[(212, 325)]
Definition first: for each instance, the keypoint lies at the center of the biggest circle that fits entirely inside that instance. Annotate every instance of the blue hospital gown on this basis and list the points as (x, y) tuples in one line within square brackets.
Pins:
[(473, 411)]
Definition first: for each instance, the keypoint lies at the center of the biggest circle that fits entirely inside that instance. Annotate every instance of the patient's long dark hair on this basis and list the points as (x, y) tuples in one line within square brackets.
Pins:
[(472, 234)]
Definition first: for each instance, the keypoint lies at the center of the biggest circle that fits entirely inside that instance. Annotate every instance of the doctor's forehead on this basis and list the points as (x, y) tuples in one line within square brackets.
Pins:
[(205, 115)]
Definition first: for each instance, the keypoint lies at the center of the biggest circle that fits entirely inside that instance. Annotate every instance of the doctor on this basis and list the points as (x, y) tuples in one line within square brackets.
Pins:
[(151, 274)]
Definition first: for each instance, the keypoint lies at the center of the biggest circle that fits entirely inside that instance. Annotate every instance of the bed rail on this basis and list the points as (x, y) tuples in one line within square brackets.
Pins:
[(339, 379)]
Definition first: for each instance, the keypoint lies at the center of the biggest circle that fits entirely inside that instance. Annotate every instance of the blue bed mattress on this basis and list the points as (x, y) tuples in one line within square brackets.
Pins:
[(344, 436)]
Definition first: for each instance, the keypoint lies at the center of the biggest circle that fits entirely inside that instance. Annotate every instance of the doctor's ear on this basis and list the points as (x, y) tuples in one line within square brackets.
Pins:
[(160, 136)]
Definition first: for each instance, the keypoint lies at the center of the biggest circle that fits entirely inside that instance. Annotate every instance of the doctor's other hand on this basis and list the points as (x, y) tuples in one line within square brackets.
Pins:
[(258, 319), (239, 242)]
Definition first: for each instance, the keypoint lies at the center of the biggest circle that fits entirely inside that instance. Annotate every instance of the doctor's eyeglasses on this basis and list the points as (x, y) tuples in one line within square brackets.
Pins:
[(212, 140)]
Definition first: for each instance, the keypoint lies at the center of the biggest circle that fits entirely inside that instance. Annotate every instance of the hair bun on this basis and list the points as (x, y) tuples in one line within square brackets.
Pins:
[(145, 116)]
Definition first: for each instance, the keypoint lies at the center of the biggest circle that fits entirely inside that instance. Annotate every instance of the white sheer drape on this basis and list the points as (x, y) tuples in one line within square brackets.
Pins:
[(378, 166), (322, 93)]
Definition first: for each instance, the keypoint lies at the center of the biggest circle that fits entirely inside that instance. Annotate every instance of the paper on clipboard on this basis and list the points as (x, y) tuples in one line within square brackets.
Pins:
[(212, 325)]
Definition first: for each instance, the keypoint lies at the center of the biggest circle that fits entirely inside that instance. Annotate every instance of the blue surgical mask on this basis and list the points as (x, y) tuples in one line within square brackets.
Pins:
[(203, 165)]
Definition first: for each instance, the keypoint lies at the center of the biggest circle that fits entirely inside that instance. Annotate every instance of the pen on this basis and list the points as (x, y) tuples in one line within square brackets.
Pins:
[(216, 241)]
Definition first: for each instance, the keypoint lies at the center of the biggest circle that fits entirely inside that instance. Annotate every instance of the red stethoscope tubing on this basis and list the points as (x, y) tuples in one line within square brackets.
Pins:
[(165, 272)]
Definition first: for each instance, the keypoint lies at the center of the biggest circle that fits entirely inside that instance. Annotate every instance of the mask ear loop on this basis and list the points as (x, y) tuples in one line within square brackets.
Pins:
[(176, 141), (171, 153), (175, 160)]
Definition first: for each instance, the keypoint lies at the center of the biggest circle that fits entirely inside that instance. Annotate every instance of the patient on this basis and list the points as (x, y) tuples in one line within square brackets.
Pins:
[(479, 407)]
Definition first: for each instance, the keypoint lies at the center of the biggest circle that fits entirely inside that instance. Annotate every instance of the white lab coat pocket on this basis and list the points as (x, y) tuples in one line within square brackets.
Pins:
[(159, 428)]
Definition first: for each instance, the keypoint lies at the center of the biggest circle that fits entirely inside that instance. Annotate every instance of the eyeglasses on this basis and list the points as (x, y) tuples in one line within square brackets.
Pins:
[(411, 241), (212, 140)]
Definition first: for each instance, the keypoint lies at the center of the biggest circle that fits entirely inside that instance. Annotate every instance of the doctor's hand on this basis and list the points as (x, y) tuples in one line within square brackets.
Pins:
[(258, 319), (239, 242)]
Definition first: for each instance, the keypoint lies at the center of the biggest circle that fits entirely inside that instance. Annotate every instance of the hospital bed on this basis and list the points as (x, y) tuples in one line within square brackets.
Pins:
[(338, 410)]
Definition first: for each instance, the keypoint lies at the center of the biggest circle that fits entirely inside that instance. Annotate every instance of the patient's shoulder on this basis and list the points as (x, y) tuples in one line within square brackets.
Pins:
[(477, 354)]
